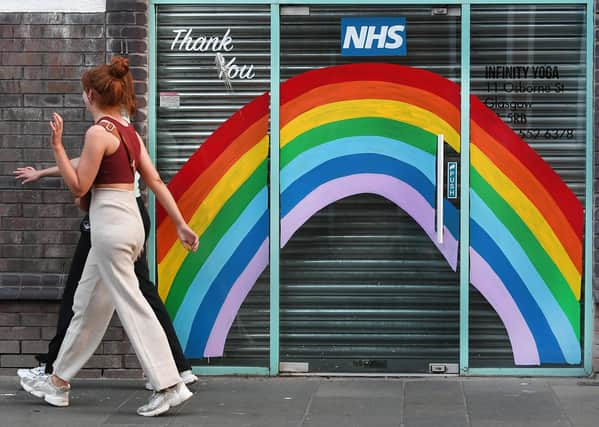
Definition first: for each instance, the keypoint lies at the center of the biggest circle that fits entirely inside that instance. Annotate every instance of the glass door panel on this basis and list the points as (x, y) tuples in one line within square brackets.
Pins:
[(367, 92), (213, 72), (527, 185)]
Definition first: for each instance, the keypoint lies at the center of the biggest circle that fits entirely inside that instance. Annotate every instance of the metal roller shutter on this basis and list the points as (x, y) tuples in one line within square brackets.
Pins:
[(363, 289), (205, 103), (547, 36)]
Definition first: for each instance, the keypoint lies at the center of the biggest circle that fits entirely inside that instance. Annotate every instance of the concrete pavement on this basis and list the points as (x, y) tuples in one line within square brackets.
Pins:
[(316, 401)]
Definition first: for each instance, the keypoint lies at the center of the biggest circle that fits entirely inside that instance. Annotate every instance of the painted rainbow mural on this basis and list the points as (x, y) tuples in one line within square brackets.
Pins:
[(526, 230), (222, 193), (372, 128)]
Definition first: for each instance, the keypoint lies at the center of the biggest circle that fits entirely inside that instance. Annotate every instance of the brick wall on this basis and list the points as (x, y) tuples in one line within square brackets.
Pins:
[(26, 328), (42, 57)]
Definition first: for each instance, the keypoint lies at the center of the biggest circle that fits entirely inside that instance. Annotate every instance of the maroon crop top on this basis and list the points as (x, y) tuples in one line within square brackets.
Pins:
[(115, 168)]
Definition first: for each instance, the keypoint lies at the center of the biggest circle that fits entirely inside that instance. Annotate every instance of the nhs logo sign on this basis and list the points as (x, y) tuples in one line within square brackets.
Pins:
[(373, 36)]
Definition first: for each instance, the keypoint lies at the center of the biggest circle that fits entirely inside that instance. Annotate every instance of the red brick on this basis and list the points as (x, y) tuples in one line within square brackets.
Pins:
[(131, 362), (10, 319), (64, 58), (34, 347), (21, 58), (11, 72), (11, 45), (28, 31), (7, 347), (17, 361), (89, 373), (39, 319), (11, 372), (114, 334), (19, 332), (105, 362), (48, 333), (123, 373), (117, 347)]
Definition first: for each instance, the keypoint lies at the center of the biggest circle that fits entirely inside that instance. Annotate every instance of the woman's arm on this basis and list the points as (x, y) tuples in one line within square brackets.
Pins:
[(150, 175), (79, 179), (30, 174)]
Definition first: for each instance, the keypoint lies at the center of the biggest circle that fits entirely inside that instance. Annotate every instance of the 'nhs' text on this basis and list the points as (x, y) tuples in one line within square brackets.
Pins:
[(373, 36)]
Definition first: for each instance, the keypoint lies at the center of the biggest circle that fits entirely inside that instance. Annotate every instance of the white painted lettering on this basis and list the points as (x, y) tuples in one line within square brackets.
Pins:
[(199, 45), (226, 43), (395, 35), (352, 37), (227, 69), (178, 32), (380, 37)]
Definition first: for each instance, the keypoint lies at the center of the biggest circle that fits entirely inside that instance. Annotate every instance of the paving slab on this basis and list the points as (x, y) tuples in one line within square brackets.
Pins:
[(426, 400), (514, 403), (230, 401), (579, 401), (318, 401), (356, 403), (92, 402)]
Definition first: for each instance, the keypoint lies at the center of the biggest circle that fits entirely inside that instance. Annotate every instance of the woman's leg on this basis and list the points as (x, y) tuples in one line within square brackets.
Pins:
[(150, 293), (118, 239), (142, 327), (65, 313), (93, 309)]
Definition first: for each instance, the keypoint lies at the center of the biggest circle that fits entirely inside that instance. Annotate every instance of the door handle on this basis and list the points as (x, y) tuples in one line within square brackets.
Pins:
[(440, 173)]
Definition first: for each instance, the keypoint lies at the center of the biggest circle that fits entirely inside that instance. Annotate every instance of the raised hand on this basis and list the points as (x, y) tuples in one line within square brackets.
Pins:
[(56, 124)]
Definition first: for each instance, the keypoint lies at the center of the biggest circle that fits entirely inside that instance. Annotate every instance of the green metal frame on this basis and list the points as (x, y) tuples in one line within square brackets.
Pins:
[(152, 136), (231, 370), (464, 261), (273, 369), (274, 188), (589, 191)]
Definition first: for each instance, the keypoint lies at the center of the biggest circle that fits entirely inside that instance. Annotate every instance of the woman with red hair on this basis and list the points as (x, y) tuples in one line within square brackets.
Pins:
[(112, 153)]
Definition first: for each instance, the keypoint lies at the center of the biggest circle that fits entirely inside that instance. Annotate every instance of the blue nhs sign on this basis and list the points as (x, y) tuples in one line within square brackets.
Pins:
[(373, 36)]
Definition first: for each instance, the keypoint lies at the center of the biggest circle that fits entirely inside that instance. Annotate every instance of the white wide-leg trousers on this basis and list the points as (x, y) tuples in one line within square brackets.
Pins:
[(108, 282)]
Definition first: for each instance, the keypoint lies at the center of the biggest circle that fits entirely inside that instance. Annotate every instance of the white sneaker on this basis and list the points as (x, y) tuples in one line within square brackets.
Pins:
[(43, 387), (33, 372), (162, 401), (186, 376)]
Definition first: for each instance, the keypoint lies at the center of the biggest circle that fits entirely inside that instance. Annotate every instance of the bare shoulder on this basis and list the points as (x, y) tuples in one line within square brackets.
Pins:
[(99, 140), (95, 131)]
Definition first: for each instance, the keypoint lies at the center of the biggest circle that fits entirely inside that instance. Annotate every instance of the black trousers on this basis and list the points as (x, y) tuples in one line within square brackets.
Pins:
[(149, 291)]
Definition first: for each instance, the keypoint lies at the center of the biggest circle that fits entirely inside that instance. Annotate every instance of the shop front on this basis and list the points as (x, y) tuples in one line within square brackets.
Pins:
[(379, 187)]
